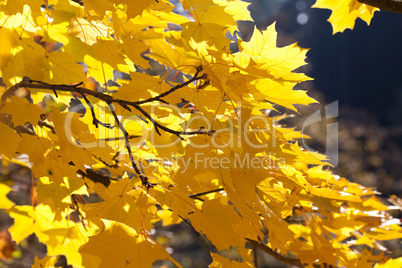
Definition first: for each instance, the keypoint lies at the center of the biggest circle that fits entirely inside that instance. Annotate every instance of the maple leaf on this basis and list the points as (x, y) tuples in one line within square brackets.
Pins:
[(34, 146), (9, 140), (133, 49), (57, 196), (278, 62), (53, 32), (389, 263), (121, 246), (87, 31), (174, 199), (99, 6), (132, 207), (216, 221), (63, 69), (13, 7), (134, 10), (281, 93), (345, 13), (108, 51), (163, 52), (219, 261), (133, 146), (5, 203), (23, 111), (9, 42), (27, 62)]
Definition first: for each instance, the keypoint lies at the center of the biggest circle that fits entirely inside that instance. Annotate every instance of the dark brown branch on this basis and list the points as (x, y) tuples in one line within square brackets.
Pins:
[(143, 178), (115, 165), (95, 177), (106, 98), (389, 5), (159, 98), (78, 210), (44, 124), (166, 129), (206, 192), (279, 257), (95, 121), (110, 100)]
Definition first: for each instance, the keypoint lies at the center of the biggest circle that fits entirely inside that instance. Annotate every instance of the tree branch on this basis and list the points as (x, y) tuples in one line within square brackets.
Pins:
[(95, 121), (204, 193), (389, 5), (110, 100), (159, 98), (143, 178), (95, 177), (27, 83), (279, 257)]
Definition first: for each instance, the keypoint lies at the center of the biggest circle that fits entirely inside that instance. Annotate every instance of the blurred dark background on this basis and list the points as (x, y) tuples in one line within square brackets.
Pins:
[(360, 68)]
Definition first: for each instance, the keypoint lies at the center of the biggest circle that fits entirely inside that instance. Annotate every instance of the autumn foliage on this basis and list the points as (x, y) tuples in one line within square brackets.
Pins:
[(186, 136)]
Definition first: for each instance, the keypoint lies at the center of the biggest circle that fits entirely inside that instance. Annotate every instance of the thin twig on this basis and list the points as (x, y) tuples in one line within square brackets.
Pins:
[(166, 129), (206, 192), (159, 97), (95, 121), (143, 178), (78, 210), (106, 98), (110, 100), (95, 177), (44, 124), (389, 5)]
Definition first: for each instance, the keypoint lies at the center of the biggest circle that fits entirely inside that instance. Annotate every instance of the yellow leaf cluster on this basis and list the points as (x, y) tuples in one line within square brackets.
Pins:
[(345, 13), (129, 114)]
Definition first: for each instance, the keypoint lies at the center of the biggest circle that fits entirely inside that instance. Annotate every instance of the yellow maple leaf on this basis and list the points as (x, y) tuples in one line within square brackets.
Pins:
[(175, 199), (64, 69), (22, 111), (345, 13), (143, 86), (87, 31), (108, 51), (58, 196), (133, 48), (134, 10), (220, 262), (391, 263), (281, 93), (216, 221), (209, 33), (70, 130), (17, 6), (121, 246), (9, 41), (279, 62), (133, 207), (20, 66), (53, 32), (165, 53), (99, 6), (5, 203), (9, 141), (56, 234)]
